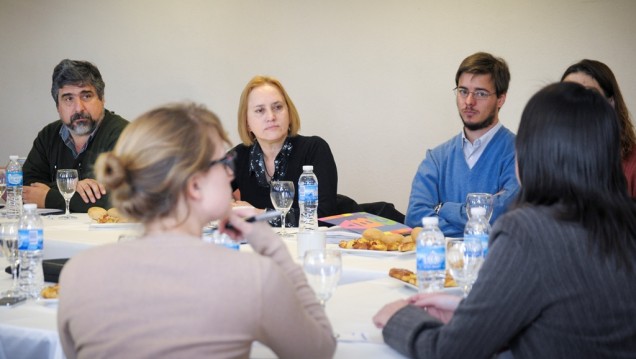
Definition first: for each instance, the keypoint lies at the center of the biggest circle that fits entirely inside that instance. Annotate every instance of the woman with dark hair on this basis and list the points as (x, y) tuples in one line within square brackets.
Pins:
[(596, 75), (559, 277)]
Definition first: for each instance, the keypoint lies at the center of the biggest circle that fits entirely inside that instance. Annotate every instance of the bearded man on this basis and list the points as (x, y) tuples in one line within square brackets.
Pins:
[(481, 159), (85, 130)]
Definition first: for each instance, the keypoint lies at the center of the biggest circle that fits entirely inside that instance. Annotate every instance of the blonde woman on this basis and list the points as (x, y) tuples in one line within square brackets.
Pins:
[(169, 294), (272, 149)]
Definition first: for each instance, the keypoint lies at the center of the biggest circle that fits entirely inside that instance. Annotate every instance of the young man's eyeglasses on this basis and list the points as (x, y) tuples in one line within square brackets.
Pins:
[(477, 95), (227, 160)]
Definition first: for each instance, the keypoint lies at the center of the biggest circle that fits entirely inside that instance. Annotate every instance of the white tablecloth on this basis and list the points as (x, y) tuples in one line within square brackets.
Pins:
[(29, 330)]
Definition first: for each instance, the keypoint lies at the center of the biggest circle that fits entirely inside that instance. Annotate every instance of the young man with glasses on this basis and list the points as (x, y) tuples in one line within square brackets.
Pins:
[(479, 159)]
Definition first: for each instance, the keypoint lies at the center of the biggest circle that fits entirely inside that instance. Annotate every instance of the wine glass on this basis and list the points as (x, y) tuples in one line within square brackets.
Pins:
[(464, 259), (67, 184), (282, 196), (3, 186), (484, 200), (323, 268), (9, 245)]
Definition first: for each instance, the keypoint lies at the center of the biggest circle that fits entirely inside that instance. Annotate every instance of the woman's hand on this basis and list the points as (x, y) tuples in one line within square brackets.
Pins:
[(439, 305), (258, 234), (383, 316)]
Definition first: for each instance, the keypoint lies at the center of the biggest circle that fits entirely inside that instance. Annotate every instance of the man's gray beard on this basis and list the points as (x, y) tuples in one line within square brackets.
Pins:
[(81, 129)]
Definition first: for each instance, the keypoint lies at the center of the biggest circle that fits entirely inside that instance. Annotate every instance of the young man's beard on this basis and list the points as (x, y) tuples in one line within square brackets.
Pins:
[(480, 125)]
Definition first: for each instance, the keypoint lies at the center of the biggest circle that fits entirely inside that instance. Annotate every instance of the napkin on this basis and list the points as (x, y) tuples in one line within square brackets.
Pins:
[(352, 337)]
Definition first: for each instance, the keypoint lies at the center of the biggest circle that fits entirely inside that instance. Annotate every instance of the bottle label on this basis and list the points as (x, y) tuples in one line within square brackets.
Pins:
[(431, 258), (475, 245), (14, 179), (308, 193), (30, 239), (231, 245)]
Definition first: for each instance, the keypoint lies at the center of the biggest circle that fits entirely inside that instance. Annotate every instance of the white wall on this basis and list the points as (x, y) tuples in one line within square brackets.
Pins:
[(372, 77)]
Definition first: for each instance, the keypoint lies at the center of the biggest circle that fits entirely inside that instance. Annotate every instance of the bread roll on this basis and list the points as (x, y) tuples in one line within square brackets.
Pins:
[(96, 213), (415, 232), (408, 239), (390, 238), (373, 234), (114, 212)]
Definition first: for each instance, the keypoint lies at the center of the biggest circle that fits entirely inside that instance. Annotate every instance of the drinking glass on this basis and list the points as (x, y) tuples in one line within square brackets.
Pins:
[(9, 245), (484, 200), (323, 268), (464, 259), (67, 184), (3, 186), (282, 196)]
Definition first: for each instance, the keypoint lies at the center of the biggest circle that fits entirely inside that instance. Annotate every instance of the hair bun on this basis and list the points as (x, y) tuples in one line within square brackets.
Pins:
[(113, 172)]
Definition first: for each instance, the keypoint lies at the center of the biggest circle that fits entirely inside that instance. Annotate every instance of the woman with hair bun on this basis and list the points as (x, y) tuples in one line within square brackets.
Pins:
[(168, 294)]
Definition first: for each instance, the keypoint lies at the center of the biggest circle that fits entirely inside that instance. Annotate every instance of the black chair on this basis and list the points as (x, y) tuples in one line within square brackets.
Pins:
[(346, 204)]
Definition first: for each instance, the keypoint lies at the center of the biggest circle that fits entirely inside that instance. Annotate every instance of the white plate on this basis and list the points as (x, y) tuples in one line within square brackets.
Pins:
[(47, 302), (372, 253), (115, 226), (449, 290)]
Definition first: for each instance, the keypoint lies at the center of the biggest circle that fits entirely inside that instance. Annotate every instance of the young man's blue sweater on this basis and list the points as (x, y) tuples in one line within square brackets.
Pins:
[(444, 177)]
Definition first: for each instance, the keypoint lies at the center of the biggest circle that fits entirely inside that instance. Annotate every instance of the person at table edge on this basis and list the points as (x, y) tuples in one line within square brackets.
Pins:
[(170, 172), (558, 281), (272, 149), (479, 159), (598, 76), (85, 130)]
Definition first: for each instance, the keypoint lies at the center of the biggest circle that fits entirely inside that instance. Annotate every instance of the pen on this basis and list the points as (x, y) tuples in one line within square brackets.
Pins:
[(259, 217)]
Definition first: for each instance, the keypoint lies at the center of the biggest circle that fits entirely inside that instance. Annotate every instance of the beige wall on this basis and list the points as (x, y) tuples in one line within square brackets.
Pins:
[(372, 77)]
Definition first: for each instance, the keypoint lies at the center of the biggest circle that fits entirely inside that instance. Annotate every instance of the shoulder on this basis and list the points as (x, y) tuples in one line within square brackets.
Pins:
[(505, 134), (528, 222), (309, 141), (241, 149), (53, 127), (242, 152), (114, 121), (448, 147)]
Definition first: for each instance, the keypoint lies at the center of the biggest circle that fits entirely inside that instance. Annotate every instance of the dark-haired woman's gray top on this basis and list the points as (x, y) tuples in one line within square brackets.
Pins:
[(543, 292)]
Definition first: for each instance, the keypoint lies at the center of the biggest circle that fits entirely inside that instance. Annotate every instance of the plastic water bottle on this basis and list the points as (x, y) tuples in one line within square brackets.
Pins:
[(14, 188), (308, 199), (431, 256), (221, 239), (478, 229), (30, 244)]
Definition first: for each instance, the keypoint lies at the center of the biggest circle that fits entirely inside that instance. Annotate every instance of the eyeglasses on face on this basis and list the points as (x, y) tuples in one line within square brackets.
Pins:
[(227, 160), (477, 95)]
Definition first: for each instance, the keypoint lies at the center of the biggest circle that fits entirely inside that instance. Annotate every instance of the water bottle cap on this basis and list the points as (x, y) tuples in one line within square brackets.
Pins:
[(477, 212), (308, 168), (30, 206), (14, 157), (430, 221)]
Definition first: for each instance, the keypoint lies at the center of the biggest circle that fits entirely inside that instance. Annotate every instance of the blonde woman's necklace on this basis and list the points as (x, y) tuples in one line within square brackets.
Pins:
[(268, 176)]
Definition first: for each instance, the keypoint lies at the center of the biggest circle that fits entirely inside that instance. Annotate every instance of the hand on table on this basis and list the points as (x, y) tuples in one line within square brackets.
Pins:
[(439, 305), (383, 316), (35, 193), (90, 190)]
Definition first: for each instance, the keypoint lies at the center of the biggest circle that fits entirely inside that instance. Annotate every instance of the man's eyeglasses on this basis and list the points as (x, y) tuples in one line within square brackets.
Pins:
[(227, 160), (477, 95)]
